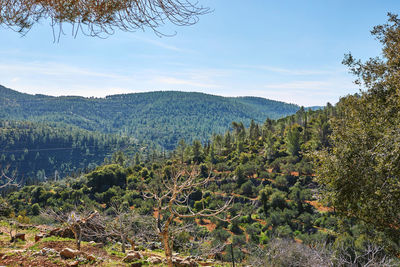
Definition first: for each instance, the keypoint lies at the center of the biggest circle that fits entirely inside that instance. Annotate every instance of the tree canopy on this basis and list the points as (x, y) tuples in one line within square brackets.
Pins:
[(362, 170)]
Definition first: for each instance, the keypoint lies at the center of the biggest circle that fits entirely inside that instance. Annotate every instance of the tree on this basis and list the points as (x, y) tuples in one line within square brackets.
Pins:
[(81, 224), (125, 223), (293, 139), (98, 18), (360, 174), (171, 191), (196, 152), (181, 150)]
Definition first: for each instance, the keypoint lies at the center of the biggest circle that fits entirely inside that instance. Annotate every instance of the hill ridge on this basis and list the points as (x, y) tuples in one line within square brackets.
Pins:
[(163, 117)]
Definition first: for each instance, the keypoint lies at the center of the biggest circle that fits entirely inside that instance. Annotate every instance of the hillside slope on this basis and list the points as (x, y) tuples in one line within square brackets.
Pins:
[(160, 117), (38, 151)]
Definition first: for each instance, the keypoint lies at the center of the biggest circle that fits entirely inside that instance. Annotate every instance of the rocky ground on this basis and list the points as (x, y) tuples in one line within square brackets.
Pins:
[(35, 247)]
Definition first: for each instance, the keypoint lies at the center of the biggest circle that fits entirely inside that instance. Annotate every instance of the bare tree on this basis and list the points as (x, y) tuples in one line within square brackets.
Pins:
[(372, 256), (7, 180), (99, 17), (81, 224), (171, 191), (124, 224), (284, 252)]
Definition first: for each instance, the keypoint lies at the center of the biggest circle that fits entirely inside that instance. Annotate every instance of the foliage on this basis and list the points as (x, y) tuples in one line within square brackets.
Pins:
[(36, 152), (163, 118), (273, 186), (360, 174)]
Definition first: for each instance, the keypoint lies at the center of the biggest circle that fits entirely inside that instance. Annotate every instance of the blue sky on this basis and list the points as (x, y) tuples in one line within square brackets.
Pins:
[(283, 50)]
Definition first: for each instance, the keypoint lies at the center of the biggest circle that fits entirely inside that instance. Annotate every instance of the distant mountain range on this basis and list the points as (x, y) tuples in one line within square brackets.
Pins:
[(163, 117)]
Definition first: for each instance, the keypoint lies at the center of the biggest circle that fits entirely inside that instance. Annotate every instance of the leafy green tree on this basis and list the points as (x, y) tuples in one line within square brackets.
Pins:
[(107, 176), (247, 189), (361, 173), (181, 150), (240, 176), (254, 130), (197, 153), (293, 139)]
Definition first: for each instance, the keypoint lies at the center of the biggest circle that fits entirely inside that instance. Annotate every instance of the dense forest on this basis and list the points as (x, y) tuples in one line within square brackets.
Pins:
[(47, 137), (35, 152), (160, 117)]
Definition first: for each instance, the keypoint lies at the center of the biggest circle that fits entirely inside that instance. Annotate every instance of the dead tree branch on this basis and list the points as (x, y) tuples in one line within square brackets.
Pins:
[(98, 18)]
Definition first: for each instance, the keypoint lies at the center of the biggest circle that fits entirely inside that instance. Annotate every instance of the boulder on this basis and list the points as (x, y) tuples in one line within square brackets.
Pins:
[(39, 236), (132, 256), (68, 253), (154, 260), (73, 264), (20, 236), (184, 263)]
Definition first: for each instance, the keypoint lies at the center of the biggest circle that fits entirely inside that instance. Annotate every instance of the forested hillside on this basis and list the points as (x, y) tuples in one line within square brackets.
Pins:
[(36, 152), (276, 210), (160, 117)]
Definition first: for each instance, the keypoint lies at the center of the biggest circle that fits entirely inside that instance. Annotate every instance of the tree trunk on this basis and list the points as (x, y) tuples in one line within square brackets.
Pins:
[(167, 248), (79, 239), (77, 235), (123, 243)]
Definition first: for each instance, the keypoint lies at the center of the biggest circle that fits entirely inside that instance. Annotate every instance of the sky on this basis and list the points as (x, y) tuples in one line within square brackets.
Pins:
[(285, 50)]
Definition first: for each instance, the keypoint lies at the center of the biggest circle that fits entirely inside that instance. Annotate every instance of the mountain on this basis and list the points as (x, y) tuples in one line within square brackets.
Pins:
[(163, 117)]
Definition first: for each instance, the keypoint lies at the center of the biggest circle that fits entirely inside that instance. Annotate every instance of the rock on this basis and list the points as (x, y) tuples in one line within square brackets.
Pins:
[(90, 257), (132, 257), (48, 251), (73, 264), (20, 236), (183, 263), (38, 237), (69, 253), (136, 264), (154, 260)]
